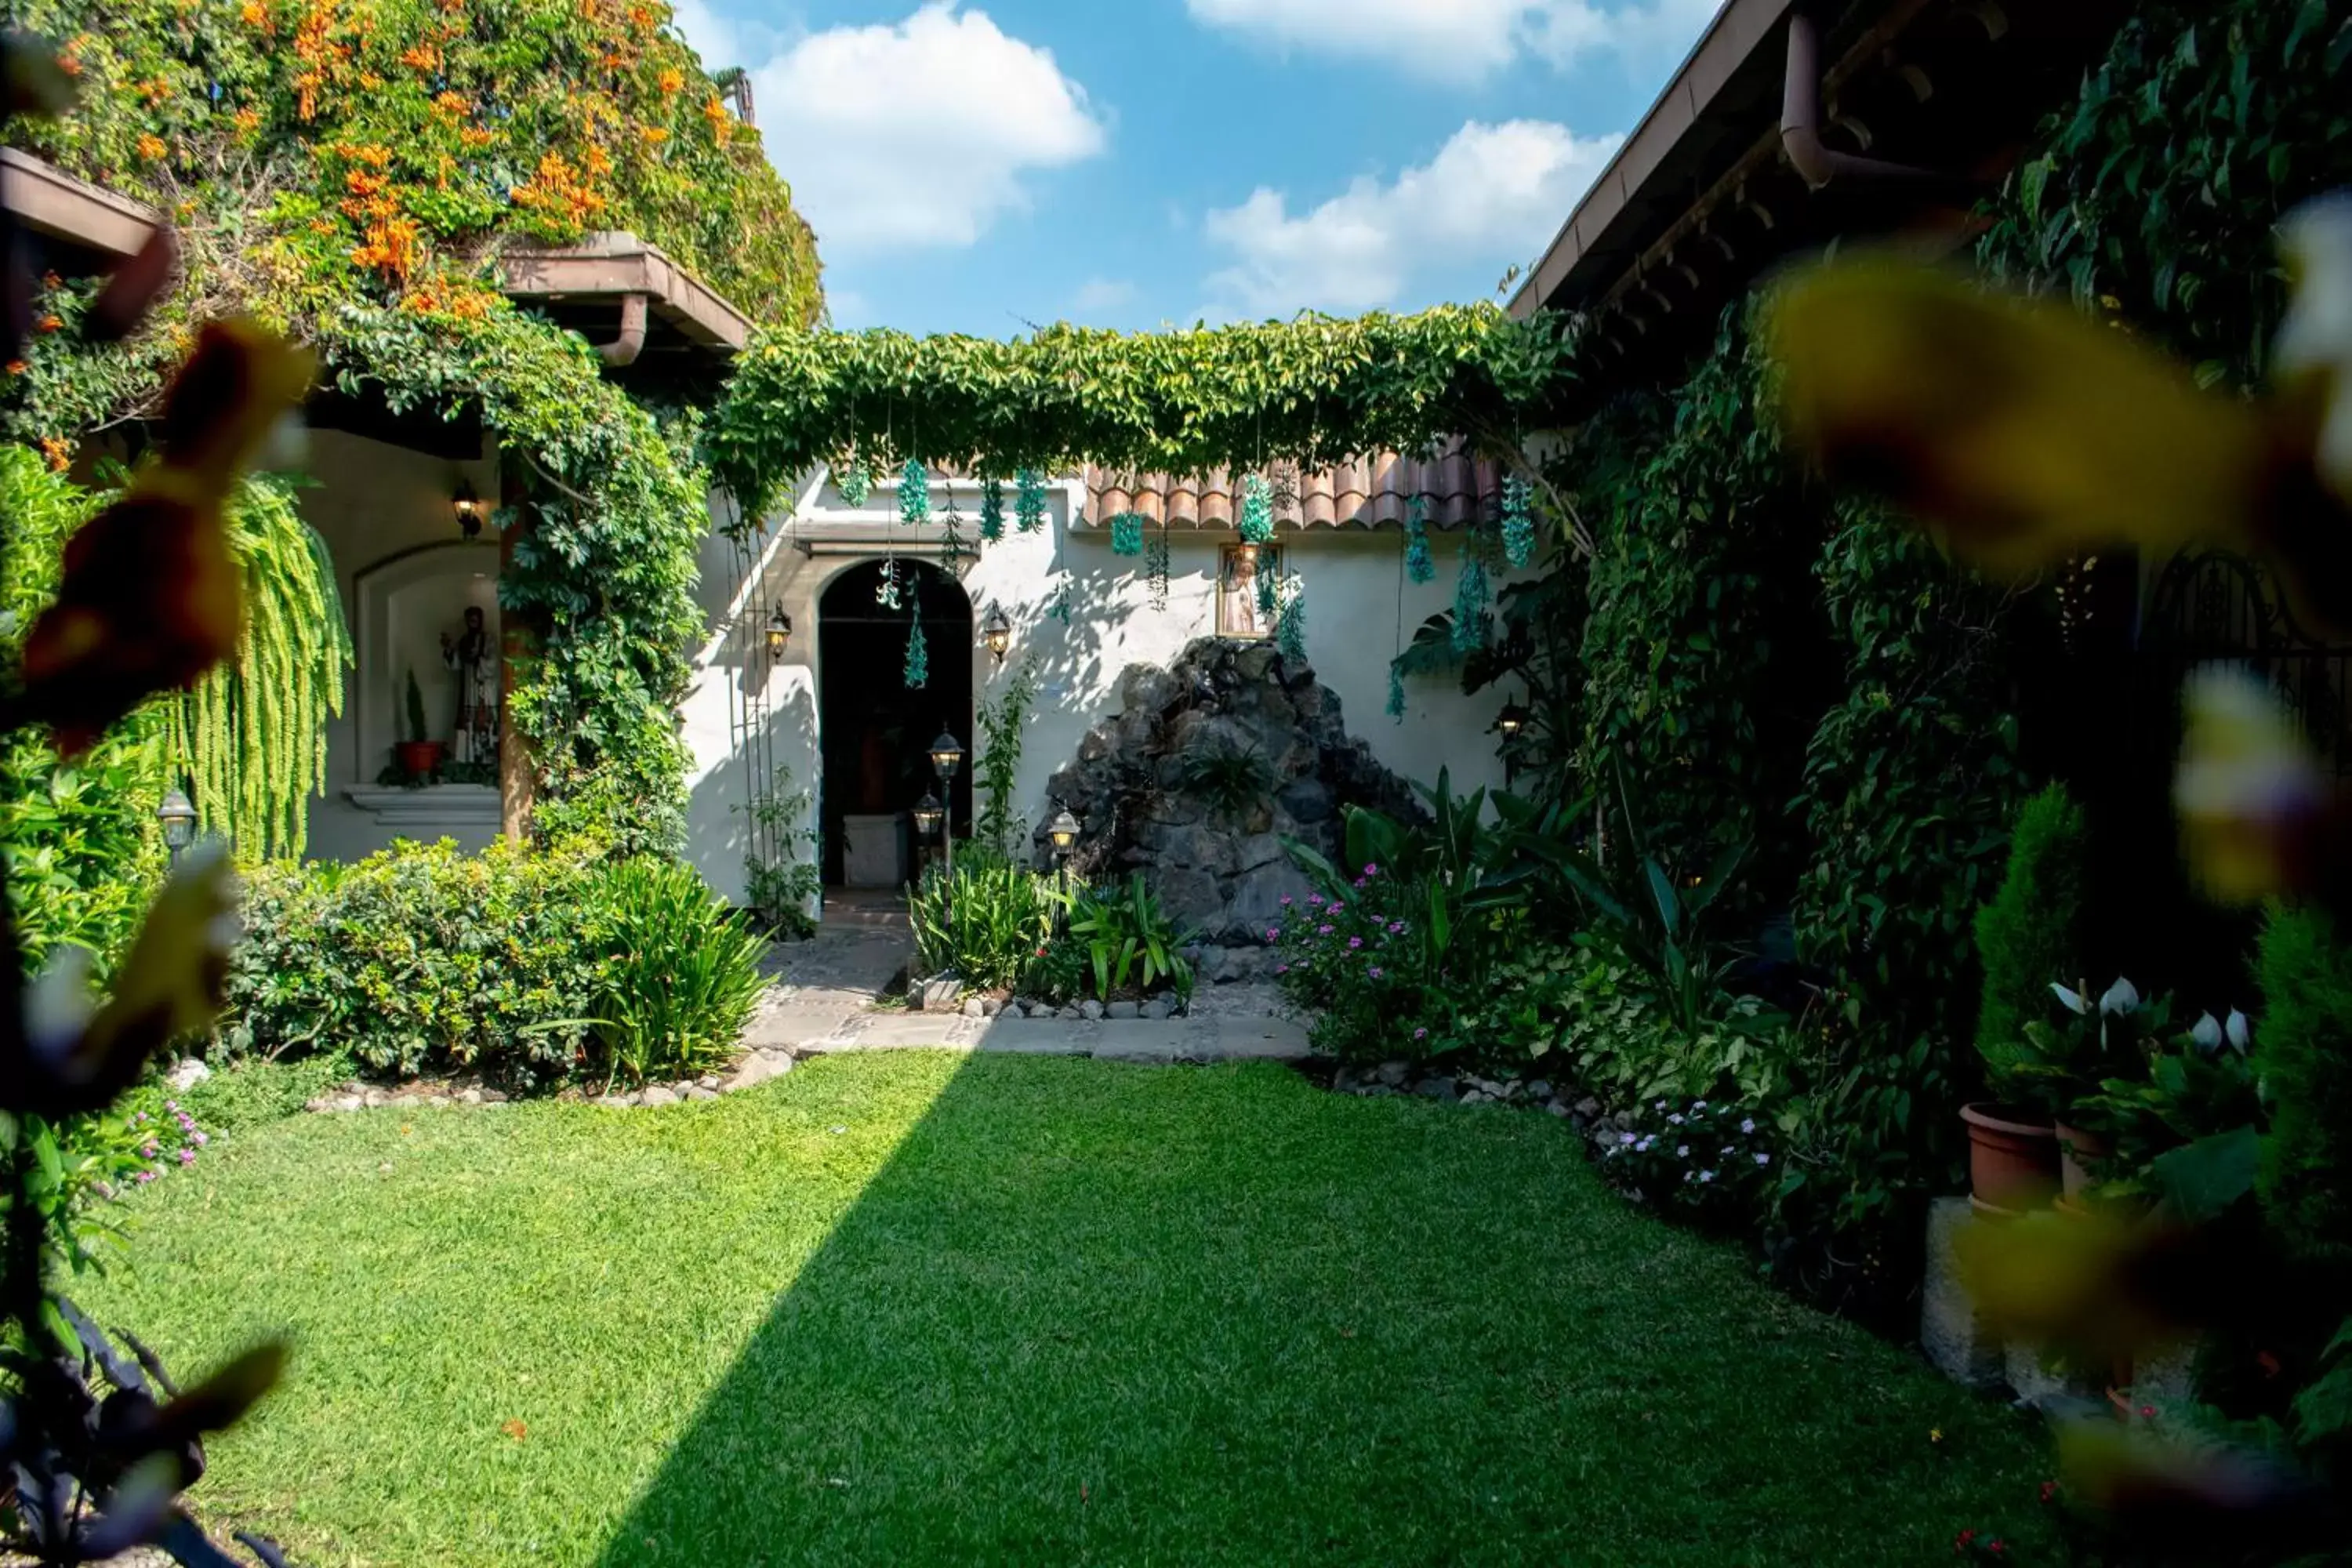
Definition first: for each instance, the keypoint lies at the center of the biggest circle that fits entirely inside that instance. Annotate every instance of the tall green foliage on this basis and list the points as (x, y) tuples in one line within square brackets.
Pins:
[(80, 838), (251, 739), (2304, 1049), (997, 768), (2032, 935)]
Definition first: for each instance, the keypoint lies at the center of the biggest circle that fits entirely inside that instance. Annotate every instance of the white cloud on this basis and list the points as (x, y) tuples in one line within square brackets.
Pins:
[(1492, 195), (1463, 40), (1097, 294), (918, 134)]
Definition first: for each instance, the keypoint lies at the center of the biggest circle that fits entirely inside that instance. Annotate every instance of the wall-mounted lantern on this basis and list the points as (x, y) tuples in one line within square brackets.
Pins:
[(780, 632), (1513, 719), (996, 633), (469, 508)]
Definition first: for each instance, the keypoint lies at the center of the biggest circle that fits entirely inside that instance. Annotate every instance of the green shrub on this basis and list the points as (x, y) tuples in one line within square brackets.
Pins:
[(2304, 1051), (1126, 935), (986, 924), (529, 967), (2031, 935)]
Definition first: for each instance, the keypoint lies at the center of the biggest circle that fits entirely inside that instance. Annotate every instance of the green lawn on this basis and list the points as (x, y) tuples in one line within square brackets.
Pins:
[(908, 1307)]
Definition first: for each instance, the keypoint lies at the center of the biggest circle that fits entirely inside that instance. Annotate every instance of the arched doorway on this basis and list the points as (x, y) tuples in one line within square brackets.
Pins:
[(877, 730)]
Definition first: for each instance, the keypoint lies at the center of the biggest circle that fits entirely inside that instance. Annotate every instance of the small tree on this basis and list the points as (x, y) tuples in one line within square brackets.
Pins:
[(2031, 935)]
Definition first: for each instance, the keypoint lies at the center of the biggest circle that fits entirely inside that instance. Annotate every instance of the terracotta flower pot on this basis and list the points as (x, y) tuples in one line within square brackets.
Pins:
[(2077, 1152), (416, 759), (2013, 1161)]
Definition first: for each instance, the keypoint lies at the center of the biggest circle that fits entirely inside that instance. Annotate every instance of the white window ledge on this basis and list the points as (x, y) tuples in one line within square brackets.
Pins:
[(435, 806)]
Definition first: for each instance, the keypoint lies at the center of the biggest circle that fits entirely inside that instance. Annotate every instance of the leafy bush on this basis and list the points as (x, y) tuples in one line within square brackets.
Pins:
[(2030, 934), (986, 924), (2305, 1054), (526, 966), (1704, 1159), (997, 768), (778, 883), (1124, 932)]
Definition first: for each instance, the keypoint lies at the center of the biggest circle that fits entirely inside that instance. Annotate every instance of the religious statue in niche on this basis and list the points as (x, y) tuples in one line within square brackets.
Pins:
[(1237, 589), (473, 658)]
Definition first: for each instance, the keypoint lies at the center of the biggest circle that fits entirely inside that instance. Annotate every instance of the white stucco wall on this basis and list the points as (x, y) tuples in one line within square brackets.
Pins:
[(1354, 626)]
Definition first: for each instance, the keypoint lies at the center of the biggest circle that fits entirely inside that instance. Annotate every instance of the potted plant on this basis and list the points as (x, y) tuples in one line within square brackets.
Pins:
[(2031, 930), (2065, 1067), (416, 757)]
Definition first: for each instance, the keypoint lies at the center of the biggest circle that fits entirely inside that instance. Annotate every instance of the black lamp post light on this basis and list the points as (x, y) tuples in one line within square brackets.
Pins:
[(929, 815), (1511, 724), (946, 756), (996, 635), (1062, 833), (178, 815)]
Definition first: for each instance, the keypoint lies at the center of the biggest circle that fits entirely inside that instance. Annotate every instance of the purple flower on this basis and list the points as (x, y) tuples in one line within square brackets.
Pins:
[(1354, 942), (1282, 969), (187, 1156), (1763, 1159), (1376, 971), (1420, 1034), (1285, 901), (1273, 933), (1396, 928), (1337, 906), (148, 1150), (1360, 881), (201, 1139), (1322, 930), (143, 1177), (1626, 1138), (1315, 900), (1372, 870), (172, 1106)]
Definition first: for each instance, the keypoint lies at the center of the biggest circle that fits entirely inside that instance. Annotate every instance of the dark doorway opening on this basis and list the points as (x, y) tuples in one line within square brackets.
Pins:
[(877, 730)]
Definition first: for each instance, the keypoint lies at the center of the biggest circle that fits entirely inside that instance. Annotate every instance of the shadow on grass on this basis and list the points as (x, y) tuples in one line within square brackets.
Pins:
[(1088, 1313)]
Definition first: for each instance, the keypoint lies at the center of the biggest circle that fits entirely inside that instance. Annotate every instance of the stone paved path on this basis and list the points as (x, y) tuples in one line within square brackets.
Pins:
[(826, 986)]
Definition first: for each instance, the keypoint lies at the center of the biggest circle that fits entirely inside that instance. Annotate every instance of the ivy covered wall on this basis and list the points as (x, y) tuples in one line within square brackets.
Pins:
[(345, 169)]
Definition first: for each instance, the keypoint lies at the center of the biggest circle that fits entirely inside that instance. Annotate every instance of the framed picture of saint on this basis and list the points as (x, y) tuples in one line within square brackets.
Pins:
[(1239, 613)]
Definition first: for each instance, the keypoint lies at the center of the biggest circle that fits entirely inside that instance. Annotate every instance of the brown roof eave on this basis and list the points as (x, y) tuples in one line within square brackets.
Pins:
[(616, 264), (48, 201)]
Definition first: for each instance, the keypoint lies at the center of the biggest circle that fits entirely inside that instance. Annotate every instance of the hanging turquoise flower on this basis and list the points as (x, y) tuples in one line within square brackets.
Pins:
[(1519, 528), (885, 591), (914, 494), (1418, 565), (1029, 500), (1256, 525), (1126, 534), (1268, 605), (855, 483), (1470, 599), (1291, 630), (1396, 692), (992, 510), (918, 658), (1155, 568)]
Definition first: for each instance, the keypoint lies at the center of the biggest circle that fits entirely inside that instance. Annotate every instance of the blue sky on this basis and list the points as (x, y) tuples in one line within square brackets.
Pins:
[(983, 167)]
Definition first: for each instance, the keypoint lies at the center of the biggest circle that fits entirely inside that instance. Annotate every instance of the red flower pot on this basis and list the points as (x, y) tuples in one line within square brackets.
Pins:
[(416, 759), (2013, 1161)]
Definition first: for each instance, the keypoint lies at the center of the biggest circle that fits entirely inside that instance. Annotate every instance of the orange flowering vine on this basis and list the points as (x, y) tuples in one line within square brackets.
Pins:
[(672, 80), (59, 451), (151, 146)]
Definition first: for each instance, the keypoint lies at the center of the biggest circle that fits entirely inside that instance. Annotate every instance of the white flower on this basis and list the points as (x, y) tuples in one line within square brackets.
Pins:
[(2071, 1000), (1661, 1105), (1681, 1151), (2207, 1034), (1762, 1158), (1643, 1147), (2241, 1033), (1725, 1149), (1748, 1125), (1698, 1105), (2121, 997), (1674, 1121), (2313, 357), (1625, 1138), (1706, 1175)]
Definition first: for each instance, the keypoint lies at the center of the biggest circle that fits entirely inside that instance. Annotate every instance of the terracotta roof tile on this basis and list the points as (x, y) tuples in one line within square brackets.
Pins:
[(1457, 489)]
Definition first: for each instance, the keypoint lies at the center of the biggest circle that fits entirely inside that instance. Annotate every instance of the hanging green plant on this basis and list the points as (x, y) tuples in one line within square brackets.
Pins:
[(1418, 564), (914, 494), (855, 483), (1396, 692), (1155, 568), (1256, 525), (1518, 527), (1471, 596), (1290, 630), (1029, 500), (1268, 605), (1126, 534), (952, 541), (992, 510), (919, 656), (885, 591)]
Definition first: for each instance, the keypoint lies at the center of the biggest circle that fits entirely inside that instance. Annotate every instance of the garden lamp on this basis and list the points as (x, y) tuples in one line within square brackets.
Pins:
[(946, 755), (468, 508), (780, 632), (178, 815), (1513, 719), (929, 815), (1063, 831), (996, 633)]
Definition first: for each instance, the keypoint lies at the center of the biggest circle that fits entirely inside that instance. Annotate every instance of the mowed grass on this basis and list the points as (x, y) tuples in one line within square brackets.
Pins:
[(908, 1307)]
